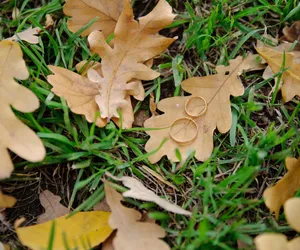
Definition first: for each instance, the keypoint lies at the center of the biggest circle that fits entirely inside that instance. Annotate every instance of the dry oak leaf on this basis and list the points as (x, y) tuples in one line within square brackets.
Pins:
[(53, 208), (275, 241), (135, 43), (284, 189), (138, 191), (84, 11), (188, 122), (29, 35), (6, 201), (292, 33), (15, 135), (132, 234), (80, 230), (291, 77)]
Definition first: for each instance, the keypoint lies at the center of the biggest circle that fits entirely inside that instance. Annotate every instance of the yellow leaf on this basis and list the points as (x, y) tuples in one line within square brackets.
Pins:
[(122, 67), (132, 234), (7, 200), (14, 134), (291, 77), (80, 230), (284, 189), (84, 11), (188, 122), (292, 213)]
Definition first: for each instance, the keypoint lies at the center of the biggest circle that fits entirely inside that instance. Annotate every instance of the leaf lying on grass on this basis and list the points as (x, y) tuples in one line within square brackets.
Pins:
[(79, 231), (29, 35), (53, 208), (284, 189), (138, 191), (275, 241), (131, 233), (122, 67), (189, 122), (6, 201), (15, 135), (292, 33), (290, 77), (84, 11)]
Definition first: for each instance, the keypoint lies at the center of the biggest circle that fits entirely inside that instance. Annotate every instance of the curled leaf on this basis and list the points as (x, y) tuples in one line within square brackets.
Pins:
[(80, 230), (188, 122), (84, 11), (132, 234), (15, 135), (138, 191), (284, 189)]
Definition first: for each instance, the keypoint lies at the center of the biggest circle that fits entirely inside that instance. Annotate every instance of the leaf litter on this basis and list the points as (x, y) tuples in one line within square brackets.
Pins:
[(122, 67)]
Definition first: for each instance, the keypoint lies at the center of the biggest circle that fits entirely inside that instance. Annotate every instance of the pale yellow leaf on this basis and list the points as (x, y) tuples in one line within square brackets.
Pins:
[(132, 234), (15, 13), (6, 200), (138, 191), (84, 11), (284, 189), (49, 21), (29, 35), (292, 212), (80, 230), (53, 208), (16, 136), (291, 77), (188, 122), (271, 241), (123, 66)]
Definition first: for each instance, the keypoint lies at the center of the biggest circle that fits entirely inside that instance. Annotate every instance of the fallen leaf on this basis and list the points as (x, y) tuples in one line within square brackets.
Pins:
[(292, 213), (140, 117), (138, 191), (80, 230), (131, 233), (29, 35), (274, 241), (122, 66), (53, 208), (291, 77), (84, 11), (6, 201), (284, 189), (188, 122), (292, 33), (49, 21), (15, 135)]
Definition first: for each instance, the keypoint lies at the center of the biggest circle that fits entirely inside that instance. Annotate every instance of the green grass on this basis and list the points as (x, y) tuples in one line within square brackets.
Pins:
[(224, 192)]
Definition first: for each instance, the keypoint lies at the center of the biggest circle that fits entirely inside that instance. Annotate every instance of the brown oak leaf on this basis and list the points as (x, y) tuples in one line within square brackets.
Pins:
[(84, 11), (188, 122), (53, 208), (132, 234), (290, 77), (284, 189)]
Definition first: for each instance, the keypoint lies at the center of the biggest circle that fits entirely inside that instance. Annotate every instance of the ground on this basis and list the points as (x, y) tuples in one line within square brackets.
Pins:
[(225, 192)]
